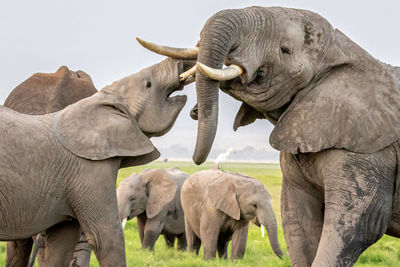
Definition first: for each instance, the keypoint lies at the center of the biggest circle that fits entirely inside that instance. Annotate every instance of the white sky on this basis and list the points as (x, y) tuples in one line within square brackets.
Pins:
[(99, 38)]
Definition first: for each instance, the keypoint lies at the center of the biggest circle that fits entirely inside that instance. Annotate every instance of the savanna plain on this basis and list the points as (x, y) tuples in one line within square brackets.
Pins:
[(386, 252)]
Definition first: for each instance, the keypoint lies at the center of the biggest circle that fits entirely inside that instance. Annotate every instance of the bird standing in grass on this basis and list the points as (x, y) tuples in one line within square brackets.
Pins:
[(222, 157)]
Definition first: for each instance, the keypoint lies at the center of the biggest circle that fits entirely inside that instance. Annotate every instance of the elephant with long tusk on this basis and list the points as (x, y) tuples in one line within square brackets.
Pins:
[(336, 116)]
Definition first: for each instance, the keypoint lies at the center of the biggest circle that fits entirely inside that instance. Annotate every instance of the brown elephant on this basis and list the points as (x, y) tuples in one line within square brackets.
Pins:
[(218, 207), (44, 93), (74, 155), (336, 116)]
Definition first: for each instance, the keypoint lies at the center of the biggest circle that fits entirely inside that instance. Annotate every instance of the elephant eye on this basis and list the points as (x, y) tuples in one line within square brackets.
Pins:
[(254, 206), (148, 84), (132, 198), (286, 49)]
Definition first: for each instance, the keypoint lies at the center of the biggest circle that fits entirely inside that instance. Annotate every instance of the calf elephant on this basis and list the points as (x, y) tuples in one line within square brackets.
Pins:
[(336, 116), (154, 198), (218, 207), (72, 157), (40, 94)]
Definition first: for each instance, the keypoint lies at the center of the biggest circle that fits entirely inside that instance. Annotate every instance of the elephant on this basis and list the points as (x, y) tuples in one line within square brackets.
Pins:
[(153, 197), (63, 165), (218, 207), (336, 116), (40, 94)]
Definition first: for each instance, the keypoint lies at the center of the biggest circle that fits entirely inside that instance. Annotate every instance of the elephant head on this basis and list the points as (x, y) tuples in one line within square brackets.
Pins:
[(44, 93), (148, 93), (272, 54), (119, 120), (293, 68), (147, 192), (243, 197)]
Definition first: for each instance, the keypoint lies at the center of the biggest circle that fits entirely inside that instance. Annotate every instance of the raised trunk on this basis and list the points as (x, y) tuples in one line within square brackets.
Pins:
[(266, 217), (216, 39)]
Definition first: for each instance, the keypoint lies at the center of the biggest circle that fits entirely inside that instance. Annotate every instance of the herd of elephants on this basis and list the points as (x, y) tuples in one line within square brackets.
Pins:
[(336, 116)]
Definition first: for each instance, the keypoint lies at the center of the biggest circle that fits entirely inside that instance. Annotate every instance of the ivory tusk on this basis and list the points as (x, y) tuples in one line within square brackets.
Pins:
[(183, 76), (262, 231), (124, 223), (229, 73), (180, 53), (189, 80)]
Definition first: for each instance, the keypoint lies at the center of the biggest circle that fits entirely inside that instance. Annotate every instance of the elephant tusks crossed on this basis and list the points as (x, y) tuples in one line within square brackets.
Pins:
[(262, 231), (180, 53), (124, 222), (229, 73)]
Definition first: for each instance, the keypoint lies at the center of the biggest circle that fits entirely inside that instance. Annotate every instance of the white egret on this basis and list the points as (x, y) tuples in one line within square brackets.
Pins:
[(222, 157)]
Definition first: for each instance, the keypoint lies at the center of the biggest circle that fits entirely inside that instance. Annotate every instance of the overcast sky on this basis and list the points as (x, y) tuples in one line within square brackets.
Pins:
[(99, 38)]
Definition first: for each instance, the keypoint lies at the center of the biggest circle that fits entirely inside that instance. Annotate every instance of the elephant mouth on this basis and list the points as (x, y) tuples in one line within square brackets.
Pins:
[(176, 99)]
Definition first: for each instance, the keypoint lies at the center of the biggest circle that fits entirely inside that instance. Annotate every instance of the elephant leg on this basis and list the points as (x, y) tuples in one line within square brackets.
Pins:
[(169, 240), (141, 222), (59, 244), (239, 239), (94, 203), (223, 249), (209, 233), (18, 252), (302, 221), (82, 252), (152, 231), (182, 244), (358, 205), (193, 241)]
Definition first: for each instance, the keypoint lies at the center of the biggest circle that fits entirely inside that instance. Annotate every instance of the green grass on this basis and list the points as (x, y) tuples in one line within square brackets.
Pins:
[(386, 252)]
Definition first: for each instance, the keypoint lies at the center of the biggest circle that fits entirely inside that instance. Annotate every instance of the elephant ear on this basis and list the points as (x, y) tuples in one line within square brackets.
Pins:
[(222, 195), (161, 189), (245, 116), (357, 110), (100, 127)]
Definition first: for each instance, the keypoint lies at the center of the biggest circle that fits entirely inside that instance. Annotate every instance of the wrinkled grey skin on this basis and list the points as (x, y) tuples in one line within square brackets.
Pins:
[(218, 207), (40, 94), (72, 173), (336, 113)]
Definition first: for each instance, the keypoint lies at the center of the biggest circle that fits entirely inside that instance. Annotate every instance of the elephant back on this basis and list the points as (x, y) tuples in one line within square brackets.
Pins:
[(44, 93)]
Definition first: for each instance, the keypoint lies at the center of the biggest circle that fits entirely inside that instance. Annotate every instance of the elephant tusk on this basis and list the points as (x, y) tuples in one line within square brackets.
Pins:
[(180, 53), (229, 73), (189, 80), (183, 76), (262, 231), (124, 222)]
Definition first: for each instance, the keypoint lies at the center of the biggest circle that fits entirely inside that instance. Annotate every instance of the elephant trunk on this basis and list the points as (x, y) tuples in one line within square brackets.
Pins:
[(266, 217), (216, 39)]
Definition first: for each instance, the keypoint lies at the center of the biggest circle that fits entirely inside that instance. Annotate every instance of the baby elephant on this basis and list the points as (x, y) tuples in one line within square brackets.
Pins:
[(154, 198), (218, 207)]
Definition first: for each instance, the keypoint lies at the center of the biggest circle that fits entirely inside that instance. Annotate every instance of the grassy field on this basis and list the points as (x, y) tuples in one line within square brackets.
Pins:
[(386, 252)]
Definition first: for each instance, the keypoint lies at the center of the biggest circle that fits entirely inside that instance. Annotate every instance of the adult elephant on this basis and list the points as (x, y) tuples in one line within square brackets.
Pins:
[(336, 116), (73, 157), (44, 93)]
